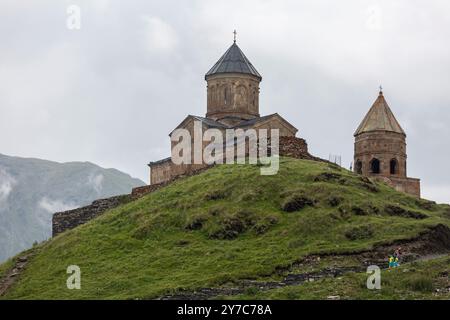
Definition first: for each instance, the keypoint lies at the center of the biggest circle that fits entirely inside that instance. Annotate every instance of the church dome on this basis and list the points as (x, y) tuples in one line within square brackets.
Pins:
[(380, 118), (233, 61)]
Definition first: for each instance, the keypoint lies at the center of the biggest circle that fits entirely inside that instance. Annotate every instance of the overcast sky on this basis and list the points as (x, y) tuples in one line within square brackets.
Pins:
[(111, 92)]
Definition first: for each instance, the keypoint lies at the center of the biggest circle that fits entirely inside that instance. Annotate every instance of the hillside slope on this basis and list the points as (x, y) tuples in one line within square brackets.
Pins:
[(31, 190), (229, 226)]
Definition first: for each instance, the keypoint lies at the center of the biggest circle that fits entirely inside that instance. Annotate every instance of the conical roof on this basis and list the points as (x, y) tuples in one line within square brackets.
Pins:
[(233, 61), (380, 118)]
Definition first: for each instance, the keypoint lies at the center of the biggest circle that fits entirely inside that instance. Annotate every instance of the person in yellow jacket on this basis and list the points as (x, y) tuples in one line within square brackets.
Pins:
[(391, 262)]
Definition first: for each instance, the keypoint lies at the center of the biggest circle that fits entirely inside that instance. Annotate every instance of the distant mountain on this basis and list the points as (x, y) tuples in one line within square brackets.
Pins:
[(31, 190)]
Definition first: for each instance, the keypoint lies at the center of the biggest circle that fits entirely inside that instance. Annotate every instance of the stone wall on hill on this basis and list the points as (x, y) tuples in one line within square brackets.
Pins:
[(62, 221), (67, 220)]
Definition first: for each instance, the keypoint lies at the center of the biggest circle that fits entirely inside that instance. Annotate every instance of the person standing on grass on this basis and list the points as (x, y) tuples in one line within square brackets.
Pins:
[(397, 254), (391, 263)]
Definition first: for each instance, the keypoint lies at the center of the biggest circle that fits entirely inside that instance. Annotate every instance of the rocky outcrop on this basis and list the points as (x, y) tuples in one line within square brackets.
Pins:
[(11, 276)]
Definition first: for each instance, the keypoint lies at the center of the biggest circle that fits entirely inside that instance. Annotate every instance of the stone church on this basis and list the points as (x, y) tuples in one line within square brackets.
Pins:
[(232, 103), (380, 148)]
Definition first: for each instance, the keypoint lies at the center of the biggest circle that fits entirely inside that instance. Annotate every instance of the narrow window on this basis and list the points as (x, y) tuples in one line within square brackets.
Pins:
[(394, 166), (375, 166), (358, 167)]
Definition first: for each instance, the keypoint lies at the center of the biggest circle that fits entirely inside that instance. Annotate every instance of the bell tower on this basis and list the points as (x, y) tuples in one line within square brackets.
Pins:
[(380, 148), (233, 88), (380, 143)]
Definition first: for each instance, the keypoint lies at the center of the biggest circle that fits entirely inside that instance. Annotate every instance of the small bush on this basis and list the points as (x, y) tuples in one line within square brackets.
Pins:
[(264, 225), (359, 211), (195, 223), (328, 177), (228, 229), (216, 195), (359, 233), (296, 203), (400, 212), (421, 284), (231, 226), (334, 201), (426, 204)]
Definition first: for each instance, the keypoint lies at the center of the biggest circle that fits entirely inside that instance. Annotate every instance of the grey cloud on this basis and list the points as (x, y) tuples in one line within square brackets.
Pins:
[(95, 181), (52, 206), (112, 91), (7, 183)]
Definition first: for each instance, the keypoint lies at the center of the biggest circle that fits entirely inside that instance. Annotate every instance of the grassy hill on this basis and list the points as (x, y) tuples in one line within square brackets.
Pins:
[(230, 227)]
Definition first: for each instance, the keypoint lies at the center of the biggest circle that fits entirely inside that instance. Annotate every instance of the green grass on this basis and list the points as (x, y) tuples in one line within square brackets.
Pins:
[(218, 227), (5, 267), (419, 280)]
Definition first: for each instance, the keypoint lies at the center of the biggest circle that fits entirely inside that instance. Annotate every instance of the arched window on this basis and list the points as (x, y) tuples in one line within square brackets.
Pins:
[(394, 166), (375, 166), (226, 95), (358, 167)]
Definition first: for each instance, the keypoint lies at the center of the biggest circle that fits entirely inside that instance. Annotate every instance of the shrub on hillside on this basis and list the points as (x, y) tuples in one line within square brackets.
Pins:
[(195, 223), (263, 225), (217, 194), (421, 284), (359, 233), (334, 201), (400, 212), (328, 177), (228, 227), (296, 203)]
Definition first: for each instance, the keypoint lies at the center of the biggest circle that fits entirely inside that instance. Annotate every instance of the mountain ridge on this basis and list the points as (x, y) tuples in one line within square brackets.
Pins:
[(32, 189)]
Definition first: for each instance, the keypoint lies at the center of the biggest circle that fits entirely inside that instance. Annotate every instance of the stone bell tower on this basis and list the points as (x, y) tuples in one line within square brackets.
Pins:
[(233, 88), (380, 148)]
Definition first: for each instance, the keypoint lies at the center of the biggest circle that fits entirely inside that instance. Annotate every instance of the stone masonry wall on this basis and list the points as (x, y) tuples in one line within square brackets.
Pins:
[(296, 148), (62, 221), (67, 220), (167, 171)]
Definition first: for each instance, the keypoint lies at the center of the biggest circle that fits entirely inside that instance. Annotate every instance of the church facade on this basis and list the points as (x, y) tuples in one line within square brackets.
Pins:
[(380, 148), (232, 103)]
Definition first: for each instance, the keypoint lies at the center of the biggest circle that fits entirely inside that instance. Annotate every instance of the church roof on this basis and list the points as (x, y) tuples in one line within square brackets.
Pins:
[(233, 61), (380, 118), (210, 122)]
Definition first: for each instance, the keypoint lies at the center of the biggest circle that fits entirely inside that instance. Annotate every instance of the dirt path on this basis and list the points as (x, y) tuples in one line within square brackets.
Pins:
[(10, 278), (292, 279), (429, 244)]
